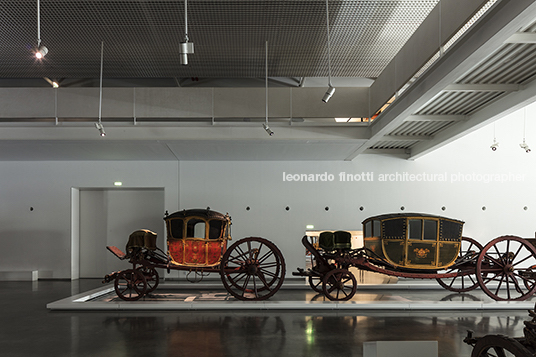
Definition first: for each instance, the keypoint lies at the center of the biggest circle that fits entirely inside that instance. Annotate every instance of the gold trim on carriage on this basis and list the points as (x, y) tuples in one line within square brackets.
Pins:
[(413, 240)]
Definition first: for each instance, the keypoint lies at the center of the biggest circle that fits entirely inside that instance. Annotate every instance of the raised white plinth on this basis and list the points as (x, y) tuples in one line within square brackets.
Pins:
[(400, 349), (29, 275)]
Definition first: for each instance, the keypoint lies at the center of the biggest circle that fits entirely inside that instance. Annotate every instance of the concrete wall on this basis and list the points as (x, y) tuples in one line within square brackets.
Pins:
[(35, 206), (35, 197)]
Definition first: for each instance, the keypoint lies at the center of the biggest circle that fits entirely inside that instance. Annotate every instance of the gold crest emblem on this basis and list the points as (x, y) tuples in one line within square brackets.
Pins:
[(421, 253)]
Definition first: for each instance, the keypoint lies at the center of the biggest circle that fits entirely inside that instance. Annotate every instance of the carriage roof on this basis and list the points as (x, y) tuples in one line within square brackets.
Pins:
[(198, 212), (382, 217)]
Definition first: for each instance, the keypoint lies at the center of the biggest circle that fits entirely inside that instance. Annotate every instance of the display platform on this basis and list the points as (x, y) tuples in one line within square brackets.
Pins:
[(404, 295)]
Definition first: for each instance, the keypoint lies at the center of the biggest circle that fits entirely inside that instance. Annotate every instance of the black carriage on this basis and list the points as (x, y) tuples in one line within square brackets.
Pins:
[(252, 268), (422, 246)]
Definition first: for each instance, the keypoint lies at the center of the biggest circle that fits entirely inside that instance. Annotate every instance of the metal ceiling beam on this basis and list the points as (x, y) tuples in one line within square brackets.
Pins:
[(482, 88), (498, 109), (522, 37), (407, 137), (435, 118), (482, 39)]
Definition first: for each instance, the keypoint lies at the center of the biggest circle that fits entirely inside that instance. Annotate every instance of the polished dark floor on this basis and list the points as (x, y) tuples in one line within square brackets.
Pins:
[(29, 329)]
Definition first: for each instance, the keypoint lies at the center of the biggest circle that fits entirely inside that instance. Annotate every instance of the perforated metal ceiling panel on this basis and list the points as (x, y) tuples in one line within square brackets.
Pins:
[(141, 38)]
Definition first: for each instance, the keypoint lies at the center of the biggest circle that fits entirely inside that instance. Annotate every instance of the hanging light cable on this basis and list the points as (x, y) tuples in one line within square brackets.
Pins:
[(41, 50), (98, 124), (331, 89), (186, 48), (265, 124)]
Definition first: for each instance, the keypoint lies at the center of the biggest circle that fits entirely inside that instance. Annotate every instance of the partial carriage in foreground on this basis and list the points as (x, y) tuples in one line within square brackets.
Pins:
[(252, 268), (422, 246)]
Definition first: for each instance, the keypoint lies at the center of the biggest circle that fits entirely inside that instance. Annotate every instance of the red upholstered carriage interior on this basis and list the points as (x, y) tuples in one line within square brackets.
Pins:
[(197, 237)]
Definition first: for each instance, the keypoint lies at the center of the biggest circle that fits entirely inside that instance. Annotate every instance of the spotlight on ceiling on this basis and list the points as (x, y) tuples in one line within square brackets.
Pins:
[(186, 48), (328, 94), (330, 90), (54, 84), (524, 146), (100, 128), (41, 52), (267, 128), (494, 146)]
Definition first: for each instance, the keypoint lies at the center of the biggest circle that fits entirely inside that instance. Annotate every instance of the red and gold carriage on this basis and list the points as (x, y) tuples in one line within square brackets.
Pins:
[(252, 268), (421, 246)]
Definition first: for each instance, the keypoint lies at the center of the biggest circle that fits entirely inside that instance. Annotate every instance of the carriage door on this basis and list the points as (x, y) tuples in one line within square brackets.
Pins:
[(108, 217)]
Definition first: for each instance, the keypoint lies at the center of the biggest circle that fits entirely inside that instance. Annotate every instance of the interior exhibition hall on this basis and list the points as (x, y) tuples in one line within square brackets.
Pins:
[(267, 177)]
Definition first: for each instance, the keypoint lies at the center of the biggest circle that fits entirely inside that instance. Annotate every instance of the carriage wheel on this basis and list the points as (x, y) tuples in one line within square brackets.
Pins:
[(252, 269), (315, 282), (501, 266), (151, 276), (339, 285), (469, 250), (130, 285), (499, 346)]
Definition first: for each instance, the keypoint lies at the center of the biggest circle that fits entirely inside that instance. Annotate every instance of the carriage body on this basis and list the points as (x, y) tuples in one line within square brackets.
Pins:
[(413, 240), (197, 238)]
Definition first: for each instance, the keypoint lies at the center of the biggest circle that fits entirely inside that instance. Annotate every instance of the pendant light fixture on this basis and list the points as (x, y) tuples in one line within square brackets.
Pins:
[(495, 144), (98, 124), (331, 89), (265, 124), (186, 48), (41, 50), (524, 145)]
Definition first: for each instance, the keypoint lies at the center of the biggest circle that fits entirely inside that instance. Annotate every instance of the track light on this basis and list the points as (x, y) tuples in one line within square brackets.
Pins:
[(100, 128), (265, 124), (495, 144), (41, 52), (186, 48), (524, 146), (328, 94), (267, 128), (330, 90), (54, 84)]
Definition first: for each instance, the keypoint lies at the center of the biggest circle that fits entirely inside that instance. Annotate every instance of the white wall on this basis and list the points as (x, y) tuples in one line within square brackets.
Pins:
[(233, 186), (108, 217), (40, 239)]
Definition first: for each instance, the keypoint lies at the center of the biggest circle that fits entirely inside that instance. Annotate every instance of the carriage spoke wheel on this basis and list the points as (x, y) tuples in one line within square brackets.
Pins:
[(499, 346), (466, 280), (339, 285), (130, 285), (252, 269), (315, 282), (151, 276), (502, 268)]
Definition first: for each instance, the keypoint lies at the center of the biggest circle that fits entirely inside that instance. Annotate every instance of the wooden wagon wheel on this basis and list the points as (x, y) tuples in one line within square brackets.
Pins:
[(130, 284), (315, 282), (466, 281), (339, 285), (499, 346), (500, 267), (252, 269), (151, 276)]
